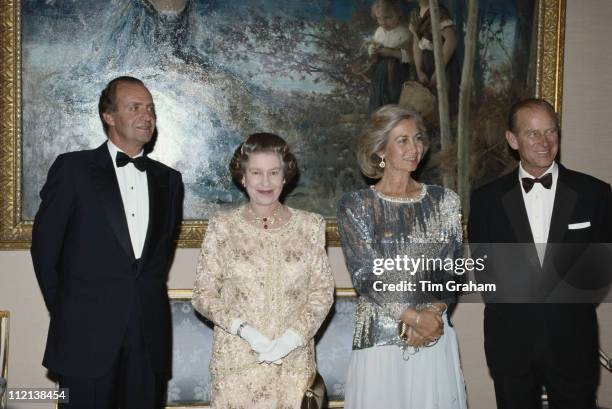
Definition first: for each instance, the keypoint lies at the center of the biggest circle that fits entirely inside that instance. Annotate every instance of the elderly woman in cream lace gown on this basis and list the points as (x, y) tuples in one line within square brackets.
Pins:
[(264, 280)]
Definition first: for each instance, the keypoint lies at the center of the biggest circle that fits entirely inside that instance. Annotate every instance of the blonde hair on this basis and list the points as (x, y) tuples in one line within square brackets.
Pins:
[(374, 136), (381, 6)]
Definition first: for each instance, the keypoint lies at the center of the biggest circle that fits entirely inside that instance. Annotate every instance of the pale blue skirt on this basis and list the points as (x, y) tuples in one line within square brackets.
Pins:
[(379, 377)]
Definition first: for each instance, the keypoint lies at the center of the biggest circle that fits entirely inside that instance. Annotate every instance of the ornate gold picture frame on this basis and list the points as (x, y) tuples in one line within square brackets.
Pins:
[(15, 232), (4, 356)]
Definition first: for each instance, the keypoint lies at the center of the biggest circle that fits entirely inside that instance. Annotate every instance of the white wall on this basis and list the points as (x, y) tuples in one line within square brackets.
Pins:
[(586, 146), (586, 143)]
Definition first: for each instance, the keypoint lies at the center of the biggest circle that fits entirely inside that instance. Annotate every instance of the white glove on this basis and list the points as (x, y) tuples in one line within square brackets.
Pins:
[(282, 347), (257, 341)]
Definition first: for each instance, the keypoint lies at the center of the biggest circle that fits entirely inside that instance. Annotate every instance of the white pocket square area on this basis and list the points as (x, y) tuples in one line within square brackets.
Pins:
[(576, 226)]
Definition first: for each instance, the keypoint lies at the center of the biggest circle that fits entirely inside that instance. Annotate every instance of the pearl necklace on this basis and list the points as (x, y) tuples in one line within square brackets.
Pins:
[(401, 199), (265, 220)]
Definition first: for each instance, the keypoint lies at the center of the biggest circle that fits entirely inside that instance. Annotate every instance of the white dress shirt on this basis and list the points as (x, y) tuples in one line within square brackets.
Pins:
[(539, 205), (134, 190)]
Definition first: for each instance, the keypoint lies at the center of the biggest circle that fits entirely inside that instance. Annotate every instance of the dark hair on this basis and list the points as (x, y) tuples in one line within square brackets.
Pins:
[(263, 142), (107, 102), (374, 136), (529, 103)]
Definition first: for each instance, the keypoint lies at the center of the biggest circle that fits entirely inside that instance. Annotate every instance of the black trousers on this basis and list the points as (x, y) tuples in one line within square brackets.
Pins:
[(130, 383), (565, 389)]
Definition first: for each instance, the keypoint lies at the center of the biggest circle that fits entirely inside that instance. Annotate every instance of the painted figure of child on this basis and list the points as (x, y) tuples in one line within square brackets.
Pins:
[(391, 45), (420, 27)]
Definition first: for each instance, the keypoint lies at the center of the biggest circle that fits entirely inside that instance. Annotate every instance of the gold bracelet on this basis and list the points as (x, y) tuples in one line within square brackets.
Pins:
[(403, 328)]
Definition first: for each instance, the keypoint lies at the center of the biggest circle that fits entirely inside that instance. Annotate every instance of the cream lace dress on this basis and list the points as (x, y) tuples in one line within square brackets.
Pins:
[(273, 279)]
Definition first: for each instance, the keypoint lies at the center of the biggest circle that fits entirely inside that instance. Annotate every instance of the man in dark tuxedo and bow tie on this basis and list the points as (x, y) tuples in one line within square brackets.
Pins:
[(102, 244), (540, 223)]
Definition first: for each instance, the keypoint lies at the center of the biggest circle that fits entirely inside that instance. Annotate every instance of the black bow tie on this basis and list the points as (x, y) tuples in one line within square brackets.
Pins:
[(140, 162), (545, 180)]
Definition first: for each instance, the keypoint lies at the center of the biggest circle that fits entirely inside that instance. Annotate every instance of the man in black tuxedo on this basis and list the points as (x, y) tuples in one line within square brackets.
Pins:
[(102, 244), (540, 224)]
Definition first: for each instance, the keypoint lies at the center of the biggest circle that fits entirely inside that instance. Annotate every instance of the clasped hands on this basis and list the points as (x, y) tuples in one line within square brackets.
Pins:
[(269, 351), (424, 326), (423, 79), (380, 50)]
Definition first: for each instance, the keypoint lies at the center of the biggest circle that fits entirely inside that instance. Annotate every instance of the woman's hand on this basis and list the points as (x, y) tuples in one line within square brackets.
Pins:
[(258, 342), (426, 323), (385, 52), (429, 325), (373, 49), (422, 78), (414, 339), (283, 346)]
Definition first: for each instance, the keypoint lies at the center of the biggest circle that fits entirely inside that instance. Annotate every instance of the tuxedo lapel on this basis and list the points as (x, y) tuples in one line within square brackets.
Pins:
[(110, 197), (157, 182), (514, 207), (563, 207)]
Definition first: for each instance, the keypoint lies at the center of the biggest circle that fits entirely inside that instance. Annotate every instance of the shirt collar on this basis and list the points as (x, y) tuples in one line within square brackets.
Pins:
[(113, 149), (554, 169)]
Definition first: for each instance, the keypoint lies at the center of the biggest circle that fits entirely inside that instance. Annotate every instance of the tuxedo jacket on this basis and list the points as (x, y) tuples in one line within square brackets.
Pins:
[(86, 268), (536, 314)]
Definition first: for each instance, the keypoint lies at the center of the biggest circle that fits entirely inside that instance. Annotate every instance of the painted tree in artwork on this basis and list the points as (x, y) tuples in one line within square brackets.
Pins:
[(465, 101), (498, 55), (319, 50), (319, 54), (299, 70), (522, 55), (503, 70), (446, 137)]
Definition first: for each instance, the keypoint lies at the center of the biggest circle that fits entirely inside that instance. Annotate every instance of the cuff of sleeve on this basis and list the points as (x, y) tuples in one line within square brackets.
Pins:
[(395, 310), (233, 329), (446, 23), (405, 56), (294, 337)]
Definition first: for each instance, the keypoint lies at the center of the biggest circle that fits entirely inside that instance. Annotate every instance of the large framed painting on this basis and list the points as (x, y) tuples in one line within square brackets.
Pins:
[(219, 71)]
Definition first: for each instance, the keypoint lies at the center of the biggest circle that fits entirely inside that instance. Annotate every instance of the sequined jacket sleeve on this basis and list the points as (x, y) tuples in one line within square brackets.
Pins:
[(451, 211), (359, 253), (209, 279), (320, 288)]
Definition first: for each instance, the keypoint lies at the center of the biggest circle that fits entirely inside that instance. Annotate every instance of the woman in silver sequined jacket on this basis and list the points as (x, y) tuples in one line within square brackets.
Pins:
[(400, 239)]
